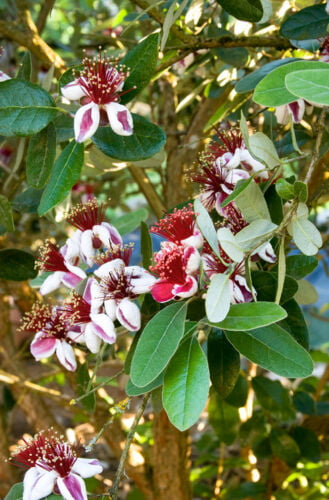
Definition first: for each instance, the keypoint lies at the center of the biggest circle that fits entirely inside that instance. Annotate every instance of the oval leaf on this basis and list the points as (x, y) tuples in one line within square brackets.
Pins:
[(133, 390), (15, 492), (224, 363), (218, 298), (40, 157), (17, 265), (158, 343), (128, 222), (206, 226), (186, 385), (308, 23), (146, 140), (258, 208), (223, 417), (248, 316), (246, 10), (229, 244), (25, 108), (306, 236), (312, 85), (274, 349), (65, 173), (249, 236)]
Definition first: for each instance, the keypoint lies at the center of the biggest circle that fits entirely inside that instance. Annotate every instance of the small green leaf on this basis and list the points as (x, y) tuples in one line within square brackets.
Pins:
[(146, 246), (308, 443), (223, 418), (239, 394), (284, 447), (240, 186), (128, 222), (206, 225), (258, 208), (27, 201), (65, 173), (306, 236), (309, 84), (300, 189), (218, 298), (284, 189), (40, 157), (266, 284), (273, 397), (141, 62), (262, 148), (146, 140), (15, 492), (25, 67), (133, 390), (246, 10), (16, 265), (224, 363), (229, 244), (158, 343), (25, 108), (186, 384), (250, 235), (6, 215), (307, 24), (274, 349), (306, 293), (250, 315)]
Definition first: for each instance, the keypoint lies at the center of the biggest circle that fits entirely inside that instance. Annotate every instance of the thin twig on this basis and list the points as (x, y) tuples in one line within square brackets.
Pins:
[(319, 135), (114, 490)]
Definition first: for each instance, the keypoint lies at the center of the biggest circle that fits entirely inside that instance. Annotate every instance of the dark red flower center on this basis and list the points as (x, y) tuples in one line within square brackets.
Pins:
[(177, 226), (50, 258), (85, 216)]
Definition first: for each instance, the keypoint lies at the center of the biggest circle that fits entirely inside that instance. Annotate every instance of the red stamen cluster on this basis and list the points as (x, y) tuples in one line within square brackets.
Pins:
[(86, 215), (48, 450), (51, 321), (78, 309), (324, 49), (170, 265), (230, 141), (177, 226), (50, 258), (117, 286), (116, 252)]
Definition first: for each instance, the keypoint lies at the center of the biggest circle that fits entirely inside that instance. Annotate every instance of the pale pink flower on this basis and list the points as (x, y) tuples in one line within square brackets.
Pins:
[(4, 77), (99, 88), (295, 110), (54, 466)]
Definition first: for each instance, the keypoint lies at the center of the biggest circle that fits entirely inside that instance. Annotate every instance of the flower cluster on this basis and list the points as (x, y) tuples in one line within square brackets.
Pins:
[(94, 258), (54, 466)]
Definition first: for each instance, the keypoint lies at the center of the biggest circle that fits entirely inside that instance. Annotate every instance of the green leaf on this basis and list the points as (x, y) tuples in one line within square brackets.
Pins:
[(25, 67), (272, 90), (206, 225), (69, 75), (250, 315), (306, 293), (218, 298), (27, 201), (306, 236), (146, 246), (146, 140), (83, 379), (308, 443), (258, 208), (223, 418), (246, 10), (274, 349), (141, 62), (262, 148), (284, 189), (186, 385), (240, 186), (238, 395), (15, 492), (6, 215), (16, 265), (307, 24), (170, 19), (64, 127), (224, 363), (273, 397), (266, 284), (295, 323), (133, 390), (301, 192), (249, 82), (25, 108), (65, 173), (158, 343), (128, 222), (229, 244), (40, 157), (310, 84), (248, 237), (284, 447)]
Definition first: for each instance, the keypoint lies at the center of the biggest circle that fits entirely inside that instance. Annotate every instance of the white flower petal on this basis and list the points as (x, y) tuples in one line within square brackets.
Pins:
[(38, 483), (141, 280), (73, 91), (101, 232), (192, 259), (110, 306), (87, 467), (104, 327), (93, 341), (97, 296), (86, 121), (42, 347), (4, 77), (66, 355), (120, 118), (116, 265), (72, 487), (115, 236), (86, 246), (128, 314), (51, 282)]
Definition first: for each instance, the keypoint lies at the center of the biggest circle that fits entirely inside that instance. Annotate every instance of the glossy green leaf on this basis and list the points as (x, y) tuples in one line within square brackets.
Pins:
[(307, 24), (17, 265), (158, 343), (304, 403), (251, 315), (218, 298), (146, 246), (83, 378), (272, 90), (258, 208), (238, 395), (15, 492), (308, 443), (254, 233), (274, 349), (186, 384), (128, 222), (40, 157), (246, 10), (273, 397), (27, 201), (64, 127), (6, 215), (266, 284), (284, 189), (25, 67), (284, 447), (146, 140), (301, 191), (25, 108), (223, 418), (306, 236), (249, 82), (141, 62), (295, 323), (133, 390), (223, 361), (65, 173), (309, 84), (240, 186), (206, 225)]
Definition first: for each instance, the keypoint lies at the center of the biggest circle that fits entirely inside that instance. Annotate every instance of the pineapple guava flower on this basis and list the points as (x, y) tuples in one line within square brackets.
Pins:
[(99, 88), (4, 77), (92, 232), (176, 266), (54, 466), (52, 334)]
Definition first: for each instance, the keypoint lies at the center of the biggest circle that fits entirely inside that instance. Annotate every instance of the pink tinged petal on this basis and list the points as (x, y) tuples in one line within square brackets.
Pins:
[(115, 236), (66, 355), (233, 176), (235, 160), (51, 282), (103, 327), (120, 118), (282, 114), (191, 259), (256, 165), (206, 199), (116, 266), (38, 483), (297, 109), (101, 232), (42, 347), (73, 91), (97, 296), (92, 340), (162, 291), (141, 281), (4, 77), (87, 291), (71, 280), (110, 306), (196, 240), (189, 288), (76, 333), (86, 246), (128, 314), (87, 467), (240, 290), (86, 121), (71, 250), (266, 253), (72, 487)]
